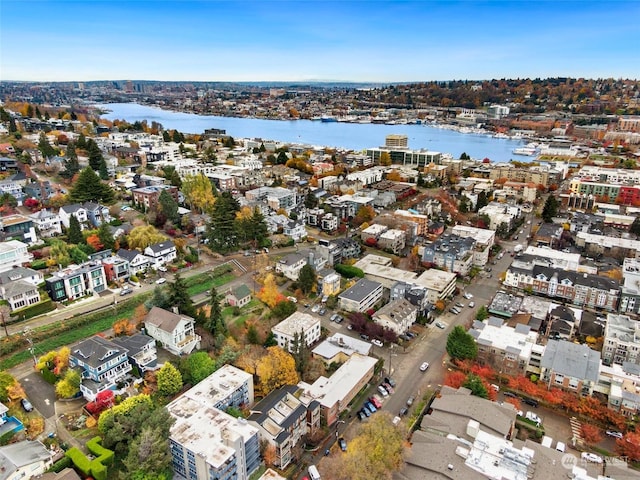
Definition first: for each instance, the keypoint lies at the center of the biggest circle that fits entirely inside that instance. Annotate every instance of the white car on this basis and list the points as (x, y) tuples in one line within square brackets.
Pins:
[(377, 342), (614, 434), (160, 281), (472, 304), (315, 308), (424, 366), (162, 268), (591, 457), (468, 296)]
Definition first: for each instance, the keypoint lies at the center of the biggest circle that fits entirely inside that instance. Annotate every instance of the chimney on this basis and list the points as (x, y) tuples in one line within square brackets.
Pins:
[(175, 310)]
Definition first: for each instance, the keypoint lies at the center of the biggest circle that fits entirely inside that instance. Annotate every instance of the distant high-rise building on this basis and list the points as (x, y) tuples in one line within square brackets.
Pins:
[(396, 140)]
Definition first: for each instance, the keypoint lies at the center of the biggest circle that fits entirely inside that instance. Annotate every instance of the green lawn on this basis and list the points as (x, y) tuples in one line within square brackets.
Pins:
[(206, 281), (245, 313)]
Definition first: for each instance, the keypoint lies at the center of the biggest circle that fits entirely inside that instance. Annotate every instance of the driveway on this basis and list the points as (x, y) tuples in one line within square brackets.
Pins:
[(41, 394)]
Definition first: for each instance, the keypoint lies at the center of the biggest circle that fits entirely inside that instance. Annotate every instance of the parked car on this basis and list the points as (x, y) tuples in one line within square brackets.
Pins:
[(333, 317), (377, 403), (349, 327), (322, 311), (125, 291), (315, 308), (162, 268), (424, 366), (591, 457), (364, 337), (396, 420), (160, 281), (343, 444), (292, 299), (361, 416), (388, 388), (530, 401), (468, 296), (472, 304), (495, 387), (614, 434), (510, 394), (372, 408), (440, 325), (410, 334), (459, 305), (533, 417), (365, 411), (26, 405), (403, 411), (410, 401), (377, 342), (390, 381), (561, 447), (339, 319), (383, 391)]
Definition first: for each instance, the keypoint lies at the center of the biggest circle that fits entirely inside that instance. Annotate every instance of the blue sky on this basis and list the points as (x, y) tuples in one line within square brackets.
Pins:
[(363, 41)]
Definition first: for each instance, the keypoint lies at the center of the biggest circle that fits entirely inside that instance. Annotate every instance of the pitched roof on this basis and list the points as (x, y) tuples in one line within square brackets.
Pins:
[(241, 291), (165, 320), (17, 273), (158, 247), (135, 343), (96, 351)]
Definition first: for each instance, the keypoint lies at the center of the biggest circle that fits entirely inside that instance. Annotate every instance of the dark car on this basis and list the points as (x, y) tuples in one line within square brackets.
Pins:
[(343, 444), (510, 394), (364, 337), (366, 411), (530, 401), (403, 411), (361, 416), (390, 381), (125, 291), (26, 404)]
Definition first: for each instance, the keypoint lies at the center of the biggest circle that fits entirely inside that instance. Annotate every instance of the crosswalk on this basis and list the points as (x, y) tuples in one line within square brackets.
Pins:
[(576, 430)]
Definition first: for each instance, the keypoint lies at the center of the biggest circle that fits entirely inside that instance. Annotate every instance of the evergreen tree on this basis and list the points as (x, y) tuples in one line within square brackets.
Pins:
[(259, 231), (13, 128), (88, 187), (166, 136), (300, 352), (45, 147), (169, 207), (221, 231), (71, 165), (282, 158), (179, 296), (214, 324), (104, 173), (74, 234), (635, 226), (307, 278), (483, 201), (461, 345), (106, 237), (310, 201), (82, 141), (95, 155), (550, 209)]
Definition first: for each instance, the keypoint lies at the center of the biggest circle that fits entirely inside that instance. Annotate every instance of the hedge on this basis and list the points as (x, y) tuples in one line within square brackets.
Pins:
[(96, 467), (348, 271), (57, 467), (35, 310)]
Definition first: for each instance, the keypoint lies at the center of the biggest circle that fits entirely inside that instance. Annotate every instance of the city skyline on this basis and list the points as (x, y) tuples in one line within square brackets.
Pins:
[(376, 42)]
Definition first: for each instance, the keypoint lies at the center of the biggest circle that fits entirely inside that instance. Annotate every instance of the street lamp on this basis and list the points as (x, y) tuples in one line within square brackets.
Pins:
[(337, 425)]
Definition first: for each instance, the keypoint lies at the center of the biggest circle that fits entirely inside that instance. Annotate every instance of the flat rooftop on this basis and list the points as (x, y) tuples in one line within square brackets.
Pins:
[(295, 323), (219, 385)]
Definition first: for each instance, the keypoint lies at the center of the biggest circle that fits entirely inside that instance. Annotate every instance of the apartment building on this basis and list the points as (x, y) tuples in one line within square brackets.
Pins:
[(303, 325), (393, 240), (364, 295), (630, 292), (484, 240), (451, 252), (621, 340), (397, 315), (76, 281), (148, 197)]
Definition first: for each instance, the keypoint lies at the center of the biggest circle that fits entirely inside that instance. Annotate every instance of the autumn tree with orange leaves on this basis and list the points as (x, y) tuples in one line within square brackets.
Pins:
[(629, 446), (590, 433), (269, 292)]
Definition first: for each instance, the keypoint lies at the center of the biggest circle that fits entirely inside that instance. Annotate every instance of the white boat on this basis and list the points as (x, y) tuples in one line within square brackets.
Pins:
[(525, 151), (501, 135)]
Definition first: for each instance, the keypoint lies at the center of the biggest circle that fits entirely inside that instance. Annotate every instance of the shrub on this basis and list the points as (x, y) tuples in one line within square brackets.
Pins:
[(35, 310), (349, 271), (80, 460), (57, 467)]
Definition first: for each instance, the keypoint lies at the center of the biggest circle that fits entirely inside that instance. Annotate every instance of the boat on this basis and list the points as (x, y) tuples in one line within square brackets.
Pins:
[(525, 151), (327, 119), (501, 135)]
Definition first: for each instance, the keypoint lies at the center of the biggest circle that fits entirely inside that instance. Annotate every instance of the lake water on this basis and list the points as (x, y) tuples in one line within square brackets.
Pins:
[(353, 136)]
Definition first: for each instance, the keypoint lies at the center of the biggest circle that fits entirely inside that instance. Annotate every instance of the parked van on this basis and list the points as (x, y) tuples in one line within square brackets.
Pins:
[(546, 441), (313, 472), (561, 447)]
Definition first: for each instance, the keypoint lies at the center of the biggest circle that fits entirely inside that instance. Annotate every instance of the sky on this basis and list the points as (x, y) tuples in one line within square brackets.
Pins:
[(298, 41)]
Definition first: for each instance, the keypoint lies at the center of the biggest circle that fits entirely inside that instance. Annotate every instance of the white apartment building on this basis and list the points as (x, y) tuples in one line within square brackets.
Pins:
[(306, 326), (621, 340), (394, 240), (485, 239), (13, 253)]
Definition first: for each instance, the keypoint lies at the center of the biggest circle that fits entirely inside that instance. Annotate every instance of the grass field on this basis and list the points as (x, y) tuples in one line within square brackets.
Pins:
[(203, 282)]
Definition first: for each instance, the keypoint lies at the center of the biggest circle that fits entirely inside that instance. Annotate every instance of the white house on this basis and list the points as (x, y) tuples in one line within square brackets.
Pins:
[(75, 210), (290, 265), (175, 332), (138, 262), (295, 230), (23, 460), (13, 253), (161, 253), (306, 326), (49, 224)]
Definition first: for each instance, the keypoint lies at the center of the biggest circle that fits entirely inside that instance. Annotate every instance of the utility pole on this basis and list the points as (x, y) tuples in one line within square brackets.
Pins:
[(27, 336), (4, 322)]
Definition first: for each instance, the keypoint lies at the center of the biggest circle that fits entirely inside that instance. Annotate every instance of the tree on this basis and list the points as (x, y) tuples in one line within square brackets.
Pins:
[(476, 385), (196, 367), (198, 192), (149, 455), (376, 452), (45, 147), (269, 292), (74, 234), (282, 310), (275, 369), (88, 187), (215, 323), (307, 278), (482, 313), (311, 201), (550, 209), (635, 226), (629, 446), (143, 236), (6, 383), (463, 206), (71, 165), (169, 380), (366, 213), (103, 171), (179, 296), (95, 155), (461, 345), (482, 201), (590, 433), (300, 351), (221, 231), (105, 236), (169, 207), (385, 159), (69, 386), (59, 254)]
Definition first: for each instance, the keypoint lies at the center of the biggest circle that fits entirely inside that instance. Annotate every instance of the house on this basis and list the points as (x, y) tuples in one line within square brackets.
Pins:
[(138, 262), (295, 230), (19, 294), (66, 474), (76, 210), (24, 460), (329, 282), (47, 223), (18, 227), (174, 331), (393, 240), (334, 394), (40, 190), (8, 424), (148, 196), (13, 253), (397, 315), (299, 325), (34, 277), (281, 420), (238, 296), (364, 295), (291, 264), (116, 269), (102, 364), (96, 214), (570, 366), (76, 281), (141, 350), (338, 348), (161, 253)]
